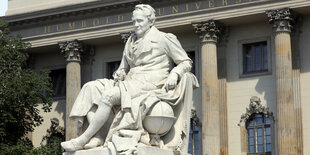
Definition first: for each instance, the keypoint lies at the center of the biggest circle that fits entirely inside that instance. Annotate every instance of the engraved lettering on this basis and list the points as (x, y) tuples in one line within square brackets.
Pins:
[(211, 3), (47, 29), (96, 21), (120, 18), (161, 11), (107, 20), (224, 2), (83, 24), (71, 25), (175, 9), (59, 27), (198, 5), (186, 7)]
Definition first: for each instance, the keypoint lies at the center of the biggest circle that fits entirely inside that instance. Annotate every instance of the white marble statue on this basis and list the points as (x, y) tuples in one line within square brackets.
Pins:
[(142, 81)]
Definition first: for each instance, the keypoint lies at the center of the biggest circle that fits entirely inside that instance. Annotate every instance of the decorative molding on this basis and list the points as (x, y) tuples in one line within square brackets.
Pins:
[(126, 35), (255, 107), (209, 31), (282, 19), (177, 20), (72, 50)]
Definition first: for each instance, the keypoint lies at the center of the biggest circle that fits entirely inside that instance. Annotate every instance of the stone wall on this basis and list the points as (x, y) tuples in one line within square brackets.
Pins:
[(304, 47), (241, 89)]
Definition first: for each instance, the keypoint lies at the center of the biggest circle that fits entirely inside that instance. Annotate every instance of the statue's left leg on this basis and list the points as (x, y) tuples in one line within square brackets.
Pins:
[(108, 99)]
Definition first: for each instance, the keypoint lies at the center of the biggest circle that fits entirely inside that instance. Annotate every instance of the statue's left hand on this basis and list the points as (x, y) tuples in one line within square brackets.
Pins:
[(171, 81)]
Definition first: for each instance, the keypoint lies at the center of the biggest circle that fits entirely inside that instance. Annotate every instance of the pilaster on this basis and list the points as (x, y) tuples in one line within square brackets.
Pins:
[(209, 32), (282, 21), (72, 53)]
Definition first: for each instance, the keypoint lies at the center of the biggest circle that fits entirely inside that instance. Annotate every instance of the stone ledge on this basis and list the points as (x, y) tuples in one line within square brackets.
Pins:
[(142, 150)]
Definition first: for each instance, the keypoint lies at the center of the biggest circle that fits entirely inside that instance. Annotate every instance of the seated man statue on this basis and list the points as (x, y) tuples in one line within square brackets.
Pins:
[(142, 80)]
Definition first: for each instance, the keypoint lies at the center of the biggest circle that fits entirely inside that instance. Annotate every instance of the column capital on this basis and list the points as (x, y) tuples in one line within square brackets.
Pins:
[(209, 31), (72, 50), (281, 19), (125, 36)]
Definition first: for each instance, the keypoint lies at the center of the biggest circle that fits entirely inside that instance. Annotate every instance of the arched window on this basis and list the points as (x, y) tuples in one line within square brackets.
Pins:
[(256, 126), (259, 134)]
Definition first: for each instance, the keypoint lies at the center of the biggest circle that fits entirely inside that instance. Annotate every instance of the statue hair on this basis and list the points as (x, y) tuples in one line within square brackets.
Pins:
[(148, 11)]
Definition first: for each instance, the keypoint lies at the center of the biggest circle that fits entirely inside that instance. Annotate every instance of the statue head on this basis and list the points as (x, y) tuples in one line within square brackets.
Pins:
[(143, 18)]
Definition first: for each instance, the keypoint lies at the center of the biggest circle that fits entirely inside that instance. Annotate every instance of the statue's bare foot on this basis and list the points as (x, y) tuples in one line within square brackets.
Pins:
[(71, 145), (94, 142)]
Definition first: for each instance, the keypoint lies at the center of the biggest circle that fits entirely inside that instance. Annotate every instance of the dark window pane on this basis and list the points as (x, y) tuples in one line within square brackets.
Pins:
[(111, 68), (259, 120), (259, 140), (251, 149), (251, 132), (196, 128), (267, 131), (251, 123), (255, 57), (268, 139), (260, 148), (268, 148), (265, 58), (191, 55), (251, 141), (267, 120), (59, 82), (259, 132)]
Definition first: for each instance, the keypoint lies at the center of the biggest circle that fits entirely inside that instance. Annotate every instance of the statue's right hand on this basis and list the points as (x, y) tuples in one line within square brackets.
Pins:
[(119, 75)]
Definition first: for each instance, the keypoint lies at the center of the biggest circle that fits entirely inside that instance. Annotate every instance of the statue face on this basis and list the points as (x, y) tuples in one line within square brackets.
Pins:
[(141, 24)]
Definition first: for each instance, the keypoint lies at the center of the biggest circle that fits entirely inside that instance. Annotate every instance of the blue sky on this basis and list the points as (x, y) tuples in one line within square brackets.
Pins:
[(3, 7)]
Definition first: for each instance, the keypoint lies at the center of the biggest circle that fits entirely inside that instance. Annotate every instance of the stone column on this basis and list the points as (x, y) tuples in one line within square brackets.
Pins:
[(222, 75), (209, 32), (72, 52), (286, 121)]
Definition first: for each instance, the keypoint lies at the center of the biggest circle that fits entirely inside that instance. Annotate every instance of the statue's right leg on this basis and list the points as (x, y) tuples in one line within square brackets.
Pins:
[(97, 139), (108, 99)]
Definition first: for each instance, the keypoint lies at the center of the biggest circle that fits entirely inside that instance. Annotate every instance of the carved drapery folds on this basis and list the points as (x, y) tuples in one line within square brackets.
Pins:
[(282, 19), (255, 107), (209, 31), (72, 50)]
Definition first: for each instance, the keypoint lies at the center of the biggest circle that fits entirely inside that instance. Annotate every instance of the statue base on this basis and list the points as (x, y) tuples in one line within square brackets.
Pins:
[(142, 150)]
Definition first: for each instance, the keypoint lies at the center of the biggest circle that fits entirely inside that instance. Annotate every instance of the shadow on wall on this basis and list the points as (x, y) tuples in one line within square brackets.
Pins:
[(61, 108)]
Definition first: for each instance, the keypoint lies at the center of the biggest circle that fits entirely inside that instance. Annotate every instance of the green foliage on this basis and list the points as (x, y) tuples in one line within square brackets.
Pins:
[(21, 90), (53, 148)]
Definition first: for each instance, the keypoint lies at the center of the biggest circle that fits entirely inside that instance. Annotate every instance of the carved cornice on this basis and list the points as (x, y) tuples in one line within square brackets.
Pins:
[(255, 107), (209, 31), (125, 36), (72, 50), (282, 19)]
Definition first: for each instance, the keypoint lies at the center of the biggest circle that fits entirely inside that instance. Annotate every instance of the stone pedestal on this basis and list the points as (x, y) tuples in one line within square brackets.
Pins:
[(72, 51), (209, 32), (141, 150), (286, 119)]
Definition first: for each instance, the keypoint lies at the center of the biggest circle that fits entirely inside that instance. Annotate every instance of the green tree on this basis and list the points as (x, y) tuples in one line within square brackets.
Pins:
[(21, 89)]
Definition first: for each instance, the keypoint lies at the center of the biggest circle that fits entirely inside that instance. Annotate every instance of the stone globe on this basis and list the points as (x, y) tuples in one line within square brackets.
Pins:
[(159, 119)]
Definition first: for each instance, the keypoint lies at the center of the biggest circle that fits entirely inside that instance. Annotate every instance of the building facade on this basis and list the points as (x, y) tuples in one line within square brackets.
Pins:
[(250, 57)]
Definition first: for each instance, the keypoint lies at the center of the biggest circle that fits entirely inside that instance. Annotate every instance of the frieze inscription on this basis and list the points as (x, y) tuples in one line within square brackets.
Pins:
[(190, 6)]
